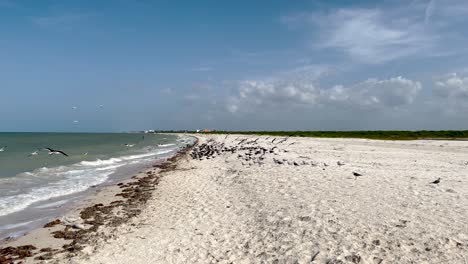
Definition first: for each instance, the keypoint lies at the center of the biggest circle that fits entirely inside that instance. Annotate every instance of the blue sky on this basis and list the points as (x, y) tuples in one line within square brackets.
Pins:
[(239, 65)]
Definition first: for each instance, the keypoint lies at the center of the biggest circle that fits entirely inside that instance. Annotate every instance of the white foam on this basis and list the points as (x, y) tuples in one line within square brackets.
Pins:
[(10, 226), (53, 204), (47, 183)]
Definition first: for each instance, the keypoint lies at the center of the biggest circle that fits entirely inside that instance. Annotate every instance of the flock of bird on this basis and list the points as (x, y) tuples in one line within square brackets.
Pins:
[(56, 151), (75, 108), (251, 153)]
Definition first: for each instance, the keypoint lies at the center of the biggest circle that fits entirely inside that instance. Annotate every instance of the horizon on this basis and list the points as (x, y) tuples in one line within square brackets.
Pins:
[(120, 66)]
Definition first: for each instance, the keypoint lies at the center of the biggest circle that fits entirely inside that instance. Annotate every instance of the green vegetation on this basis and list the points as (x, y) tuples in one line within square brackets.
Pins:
[(384, 135)]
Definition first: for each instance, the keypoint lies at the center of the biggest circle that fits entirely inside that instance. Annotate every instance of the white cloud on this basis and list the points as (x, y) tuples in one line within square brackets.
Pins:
[(288, 94), (373, 36), (454, 86), (390, 93), (429, 11), (391, 31)]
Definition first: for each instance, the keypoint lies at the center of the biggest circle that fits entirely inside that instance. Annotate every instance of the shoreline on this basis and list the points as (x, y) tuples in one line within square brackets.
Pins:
[(112, 203), (251, 199)]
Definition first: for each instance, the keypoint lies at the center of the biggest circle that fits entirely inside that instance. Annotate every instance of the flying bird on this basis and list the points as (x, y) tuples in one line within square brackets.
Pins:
[(74, 107), (436, 181), (3, 148), (55, 152), (101, 106), (34, 153), (340, 163), (75, 121), (129, 145)]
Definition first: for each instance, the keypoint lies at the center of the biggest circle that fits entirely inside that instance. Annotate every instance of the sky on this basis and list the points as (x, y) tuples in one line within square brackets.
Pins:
[(233, 65)]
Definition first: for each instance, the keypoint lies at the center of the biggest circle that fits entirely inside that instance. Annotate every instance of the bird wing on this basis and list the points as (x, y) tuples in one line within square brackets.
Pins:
[(61, 152), (49, 149)]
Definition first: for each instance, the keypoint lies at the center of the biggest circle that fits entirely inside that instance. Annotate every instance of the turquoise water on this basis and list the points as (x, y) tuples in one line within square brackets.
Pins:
[(27, 180), (15, 158)]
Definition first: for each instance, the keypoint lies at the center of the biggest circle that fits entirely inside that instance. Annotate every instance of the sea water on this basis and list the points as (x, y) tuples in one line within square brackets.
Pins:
[(32, 186)]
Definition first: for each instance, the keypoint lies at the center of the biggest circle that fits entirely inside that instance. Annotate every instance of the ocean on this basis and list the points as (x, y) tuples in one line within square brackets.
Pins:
[(34, 188)]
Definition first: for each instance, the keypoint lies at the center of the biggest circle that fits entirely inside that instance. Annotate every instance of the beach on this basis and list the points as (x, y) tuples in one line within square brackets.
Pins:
[(260, 199)]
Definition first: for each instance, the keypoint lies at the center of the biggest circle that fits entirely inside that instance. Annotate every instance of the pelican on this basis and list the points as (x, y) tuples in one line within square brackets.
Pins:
[(55, 152)]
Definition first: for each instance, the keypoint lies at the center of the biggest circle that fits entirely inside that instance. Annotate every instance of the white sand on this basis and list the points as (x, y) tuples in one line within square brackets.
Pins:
[(219, 210)]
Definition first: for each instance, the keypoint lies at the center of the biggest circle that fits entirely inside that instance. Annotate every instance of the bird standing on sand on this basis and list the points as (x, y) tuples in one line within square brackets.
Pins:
[(55, 152), (3, 148), (356, 175), (436, 181)]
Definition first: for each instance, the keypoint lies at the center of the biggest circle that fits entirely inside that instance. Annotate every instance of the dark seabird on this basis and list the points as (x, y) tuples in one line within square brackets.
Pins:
[(436, 181), (56, 152), (356, 175)]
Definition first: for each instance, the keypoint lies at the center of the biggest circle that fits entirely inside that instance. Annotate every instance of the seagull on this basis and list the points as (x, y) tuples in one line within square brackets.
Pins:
[(436, 181), (3, 148), (129, 145), (56, 152), (34, 153)]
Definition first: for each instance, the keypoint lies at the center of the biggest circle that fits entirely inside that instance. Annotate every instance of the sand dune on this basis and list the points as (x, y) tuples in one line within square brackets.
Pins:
[(228, 209)]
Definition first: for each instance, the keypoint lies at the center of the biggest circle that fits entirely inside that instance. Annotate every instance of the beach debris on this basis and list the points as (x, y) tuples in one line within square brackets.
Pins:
[(55, 152), (12, 254), (436, 181), (353, 258), (78, 226), (53, 223), (314, 256)]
